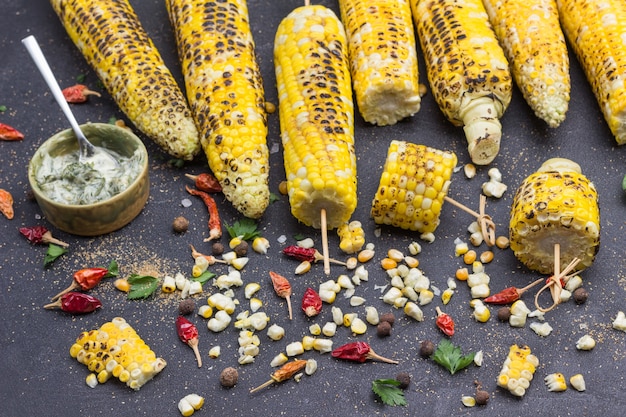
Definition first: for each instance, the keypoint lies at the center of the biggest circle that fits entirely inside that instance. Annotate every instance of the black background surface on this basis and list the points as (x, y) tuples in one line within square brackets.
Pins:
[(40, 378)]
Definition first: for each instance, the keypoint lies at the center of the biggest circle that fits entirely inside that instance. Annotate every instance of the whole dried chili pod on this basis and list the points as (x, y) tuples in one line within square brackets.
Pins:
[(78, 93), (10, 133), (39, 235), (311, 302), (282, 288), (75, 303), (358, 352), (444, 322), (215, 224), (284, 373), (84, 279), (188, 333), (307, 254), (510, 295), (6, 204), (205, 182)]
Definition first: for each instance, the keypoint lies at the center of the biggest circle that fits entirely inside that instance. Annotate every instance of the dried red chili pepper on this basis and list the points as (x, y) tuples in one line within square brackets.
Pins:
[(215, 224), (444, 322), (188, 333), (40, 234), (210, 258), (283, 373), (78, 93), (84, 279), (6, 204), (282, 288), (10, 133), (206, 182), (509, 295), (358, 352), (311, 302), (76, 303), (307, 254)]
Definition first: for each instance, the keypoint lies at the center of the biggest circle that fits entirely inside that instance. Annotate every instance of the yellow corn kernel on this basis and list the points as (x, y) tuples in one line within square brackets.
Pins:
[(205, 311), (168, 285), (469, 257), (596, 33), (251, 289), (316, 115), (260, 245), (514, 375), (481, 311), (365, 255), (358, 326), (413, 187), (352, 237), (122, 284), (555, 382), (486, 257), (323, 345), (388, 263), (578, 382), (425, 297), (225, 89), (556, 204), (461, 248), (412, 310), (462, 274), (446, 295)]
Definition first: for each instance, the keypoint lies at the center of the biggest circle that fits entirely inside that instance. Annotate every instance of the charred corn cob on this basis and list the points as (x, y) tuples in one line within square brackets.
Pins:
[(413, 185), (112, 40), (596, 30), (467, 70), (225, 91), (115, 349), (518, 370), (316, 115), (556, 204), (383, 59), (533, 42)]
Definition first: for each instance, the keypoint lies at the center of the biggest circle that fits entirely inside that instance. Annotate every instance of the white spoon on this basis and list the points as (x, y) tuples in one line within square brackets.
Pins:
[(99, 157)]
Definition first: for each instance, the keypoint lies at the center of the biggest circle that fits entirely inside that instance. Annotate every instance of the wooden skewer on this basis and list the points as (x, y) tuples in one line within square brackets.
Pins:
[(554, 282), (487, 226), (325, 242)]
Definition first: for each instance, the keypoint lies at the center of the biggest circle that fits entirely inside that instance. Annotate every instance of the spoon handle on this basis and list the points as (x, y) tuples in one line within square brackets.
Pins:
[(40, 60)]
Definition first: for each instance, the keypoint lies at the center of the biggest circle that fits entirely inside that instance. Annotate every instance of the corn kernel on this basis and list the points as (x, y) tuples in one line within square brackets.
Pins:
[(542, 329), (294, 349), (502, 242), (425, 297), (412, 310), (279, 360), (460, 248), (446, 296), (122, 284), (91, 380), (315, 329), (468, 401), (215, 352), (251, 289), (395, 255), (620, 321), (275, 332), (330, 328), (310, 367), (371, 315), (469, 257), (365, 255), (337, 316), (486, 257), (358, 326), (555, 382), (323, 345), (388, 263), (307, 342), (411, 262), (462, 274), (260, 245), (578, 382), (169, 284), (348, 318), (585, 343)]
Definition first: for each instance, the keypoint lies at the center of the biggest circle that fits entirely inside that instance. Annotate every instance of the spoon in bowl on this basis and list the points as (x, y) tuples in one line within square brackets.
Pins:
[(101, 159)]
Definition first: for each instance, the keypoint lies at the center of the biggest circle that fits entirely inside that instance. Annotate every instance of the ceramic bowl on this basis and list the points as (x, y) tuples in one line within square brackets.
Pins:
[(105, 216)]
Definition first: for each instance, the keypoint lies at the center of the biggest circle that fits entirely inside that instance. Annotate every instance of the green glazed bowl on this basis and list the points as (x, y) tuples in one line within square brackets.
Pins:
[(105, 216)]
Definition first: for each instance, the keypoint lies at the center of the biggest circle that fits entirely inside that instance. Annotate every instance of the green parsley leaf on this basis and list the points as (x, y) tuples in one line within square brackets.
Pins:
[(204, 277), (113, 269), (176, 163), (299, 237), (274, 198), (389, 392), (141, 286), (80, 78), (112, 120), (53, 252), (450, 356), (246, 228), (3, 109)]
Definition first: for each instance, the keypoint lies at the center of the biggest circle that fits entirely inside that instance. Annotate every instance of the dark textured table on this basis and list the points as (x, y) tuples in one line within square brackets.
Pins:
[(40, 378)]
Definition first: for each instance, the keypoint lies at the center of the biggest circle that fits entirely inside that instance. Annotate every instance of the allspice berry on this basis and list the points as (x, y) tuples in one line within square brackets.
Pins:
[(404, 379), (580, 295), (388, 317), (482, 397), (241, 249), (427, 348), (383, 329), (180, 224), (217, 248), (186, 307), (504, 313), (229, 377)]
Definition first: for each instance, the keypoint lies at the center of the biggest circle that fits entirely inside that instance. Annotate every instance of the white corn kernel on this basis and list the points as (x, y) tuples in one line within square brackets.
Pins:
[(555, 382), (307, 342), (585, 343), (195, 287), (306, 243), (219, 322), (180, 281), (303, 267), (358, 326), (185, 408), (315, 329), (215, 352), (476, 239), (425, 297), (414, 248), (275, 332), (221, 302), (356, 301), (478, 358), (412, 310), (348, 318), (542, 329), (294, 349), (344, 281), (91, 380), (337, 315), (578, 382), (279, 360), (195, 400), (573, 283), (361, 273), (392, 295), (260, 245), (330, 328), (255, 304), (620, 321), (428, 237), (251, 289), (371, 315), (323, 345), (310, 367), (229, 257), (410, 293), (480, 291), (169, 284), (565, 295), (327, 296), (205, 311)]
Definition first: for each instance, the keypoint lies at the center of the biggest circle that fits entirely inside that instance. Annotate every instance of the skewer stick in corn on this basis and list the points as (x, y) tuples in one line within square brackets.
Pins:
[(533, 42), (225, 90), (316, 118), (467, 70), (596, 32), (110, 37), (383, 59), (555, 205), (555, 281)]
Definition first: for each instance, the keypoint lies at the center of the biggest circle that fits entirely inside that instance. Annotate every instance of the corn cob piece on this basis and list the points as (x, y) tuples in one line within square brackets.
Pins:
[(383, 59), (316, 116), (115, 349), (110, 37), (518, 370), (555, 205), (533, 42), (225, 91), (413, 186), (467, 70), (596, 29)]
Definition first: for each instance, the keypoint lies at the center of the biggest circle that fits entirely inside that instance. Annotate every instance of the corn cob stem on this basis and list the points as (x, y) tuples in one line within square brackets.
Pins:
[(554, 282)]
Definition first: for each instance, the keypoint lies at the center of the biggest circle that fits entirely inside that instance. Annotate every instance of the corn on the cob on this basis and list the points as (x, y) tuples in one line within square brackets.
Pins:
[(115, 349), (533, 42), (518, 370), (467, 70), (225, 91), (596, 30), (413, 185), (112, 40), (555, 205), (383, 59), (316, 115)]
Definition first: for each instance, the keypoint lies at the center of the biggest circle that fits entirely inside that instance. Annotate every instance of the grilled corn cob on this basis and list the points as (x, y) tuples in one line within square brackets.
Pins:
[(225, 91), (316, 116), (596, 30), (112, 40), (467, 70), (518, 370), (413, 185), (115, 349), (556, 204), (383, 59), (533, 42)]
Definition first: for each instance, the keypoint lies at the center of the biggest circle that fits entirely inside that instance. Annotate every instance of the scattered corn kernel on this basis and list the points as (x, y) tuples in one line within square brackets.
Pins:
[(542, 329), (400, 302), (486, 257), (185, 408), (195, 287), (411, 262), (415, 248), (315, 329), (275, 332), (462, 274), (371, 315), (310, 367), (251, 289), (365, 255), (356, 301), (91, 380), (294, 349), (468, 401), (327, 296), (201, 264), (307, 342), (348, 318), (425, 297), (555, 382), (391, 295), (215, 352), (358, 326), (388, 263), (330, 328), (476, 239), (205, 311), (469, 257), (323, 345), (219, 322), (222, 302), (578, 382), (122, 284), (234, 242), (337, 315), (279, 360), (283, 188), (412, 310), (620, 321), (352, 263), (469, 170), (480, 291), (502, 242), (519, 313), (169, 284), (239, 263), (478, 358), (260, 245), (395, 255), (585, 343), (446, 295), (481, 312), (460, 248), (255, 304), (573, 283)]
